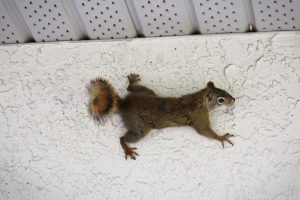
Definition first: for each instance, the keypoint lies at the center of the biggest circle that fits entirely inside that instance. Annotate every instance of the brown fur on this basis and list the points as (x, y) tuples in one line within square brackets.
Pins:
[(103, 99), (142, 110)]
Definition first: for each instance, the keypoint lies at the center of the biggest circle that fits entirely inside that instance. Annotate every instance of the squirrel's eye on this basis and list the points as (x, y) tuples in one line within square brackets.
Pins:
[(221, 100)]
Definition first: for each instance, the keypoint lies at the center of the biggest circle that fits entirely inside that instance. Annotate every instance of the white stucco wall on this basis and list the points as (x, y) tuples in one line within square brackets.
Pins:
[(51, 149)]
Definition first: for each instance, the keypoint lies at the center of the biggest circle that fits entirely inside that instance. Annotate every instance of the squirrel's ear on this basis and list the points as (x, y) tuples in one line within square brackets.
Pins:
[(210, 84), (209, 89)]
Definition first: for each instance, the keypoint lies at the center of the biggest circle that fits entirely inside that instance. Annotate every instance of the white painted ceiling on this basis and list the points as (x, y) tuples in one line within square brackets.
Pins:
[(59, 20)]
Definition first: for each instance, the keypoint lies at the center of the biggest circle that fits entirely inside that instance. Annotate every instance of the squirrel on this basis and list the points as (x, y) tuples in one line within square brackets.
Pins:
[(142, 110)]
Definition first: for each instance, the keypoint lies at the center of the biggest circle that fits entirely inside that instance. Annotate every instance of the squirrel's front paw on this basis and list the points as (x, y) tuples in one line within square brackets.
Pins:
[(225, 138), (133, 78), (129, 151)]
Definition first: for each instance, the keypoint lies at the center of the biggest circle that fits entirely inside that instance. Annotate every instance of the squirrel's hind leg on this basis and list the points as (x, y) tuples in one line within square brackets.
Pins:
[(135, 88), (131, 137)]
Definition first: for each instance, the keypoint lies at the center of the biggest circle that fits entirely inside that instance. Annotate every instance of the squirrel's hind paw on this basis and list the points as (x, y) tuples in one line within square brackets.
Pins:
[(130, 152), (133, 78)]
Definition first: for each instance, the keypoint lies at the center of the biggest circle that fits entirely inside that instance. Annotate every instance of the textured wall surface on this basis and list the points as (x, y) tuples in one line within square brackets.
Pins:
[(51, 149)]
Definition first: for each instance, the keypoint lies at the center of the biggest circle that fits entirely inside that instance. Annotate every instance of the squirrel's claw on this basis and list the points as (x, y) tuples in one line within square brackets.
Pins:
[(130, 152), (133, 78), (225, 138)]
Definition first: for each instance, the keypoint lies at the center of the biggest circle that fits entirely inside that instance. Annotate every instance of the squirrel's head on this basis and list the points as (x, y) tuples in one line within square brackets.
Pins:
[(216, 97)]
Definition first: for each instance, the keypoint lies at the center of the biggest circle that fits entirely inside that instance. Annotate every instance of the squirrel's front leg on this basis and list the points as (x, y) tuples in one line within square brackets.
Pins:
[(208, 132)]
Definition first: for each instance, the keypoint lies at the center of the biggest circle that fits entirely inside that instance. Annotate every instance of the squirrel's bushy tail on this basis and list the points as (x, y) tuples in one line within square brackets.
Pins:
[(103, 100)]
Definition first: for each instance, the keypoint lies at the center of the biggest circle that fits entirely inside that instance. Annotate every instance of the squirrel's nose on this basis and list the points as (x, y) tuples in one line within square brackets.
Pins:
[(233, 100)]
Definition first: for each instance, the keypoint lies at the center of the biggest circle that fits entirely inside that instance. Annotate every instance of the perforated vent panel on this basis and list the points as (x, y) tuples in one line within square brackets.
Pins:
[(55, 20), (161, 17), (105, 18), (46, 19), (215, 16), (8, 31), (276, 14)]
